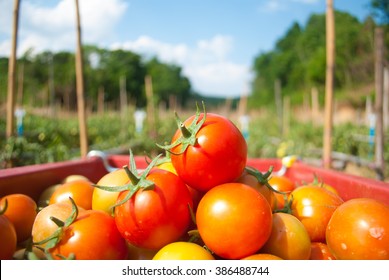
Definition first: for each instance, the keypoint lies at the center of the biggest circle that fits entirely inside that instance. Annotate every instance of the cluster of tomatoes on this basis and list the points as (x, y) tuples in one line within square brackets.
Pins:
[(201, 201)]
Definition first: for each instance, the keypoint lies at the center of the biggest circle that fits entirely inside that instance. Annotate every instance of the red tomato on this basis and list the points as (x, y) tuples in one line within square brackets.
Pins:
[(314, 206), (104, 200), (320, 251), (92, 236), (217, 152), (359, 229), (7, 237), (155, 217), (281, 184), (289, 239), (234, 220), (21, 211), (80, 190)]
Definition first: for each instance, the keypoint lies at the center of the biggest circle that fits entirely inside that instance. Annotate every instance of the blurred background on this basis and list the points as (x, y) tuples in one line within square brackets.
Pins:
[(263, 64)]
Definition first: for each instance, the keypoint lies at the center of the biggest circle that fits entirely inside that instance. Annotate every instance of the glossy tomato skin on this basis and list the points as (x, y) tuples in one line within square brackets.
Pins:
[(219, 155), (21, 211), (92, 236), (234, 220), (80, 190), (104, 200), (153, 218), (183, 251), (43, 227), (314, 206), (7, 238), (289, 239), (320, 251), (359, 230)]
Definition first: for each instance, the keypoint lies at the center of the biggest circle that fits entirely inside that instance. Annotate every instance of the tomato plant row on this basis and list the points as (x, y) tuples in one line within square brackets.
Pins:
[(199, 201)]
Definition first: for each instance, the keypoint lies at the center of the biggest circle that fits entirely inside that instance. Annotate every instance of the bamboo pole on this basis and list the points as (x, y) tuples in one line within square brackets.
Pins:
[(379, 87), (80, 88), (10, 127), (328, 112), (150, 106)]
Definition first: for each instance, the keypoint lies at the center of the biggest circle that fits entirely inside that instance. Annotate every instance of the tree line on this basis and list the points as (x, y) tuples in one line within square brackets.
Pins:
[(298, 60), (297, 63)]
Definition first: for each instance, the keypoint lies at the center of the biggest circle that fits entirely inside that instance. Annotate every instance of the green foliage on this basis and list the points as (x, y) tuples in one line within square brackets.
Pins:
[(299, 58)]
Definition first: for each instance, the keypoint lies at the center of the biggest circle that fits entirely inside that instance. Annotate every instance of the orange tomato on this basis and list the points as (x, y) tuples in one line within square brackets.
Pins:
[(313, 206), (21, 211), (80, 190), (8, 237), (289, 239)]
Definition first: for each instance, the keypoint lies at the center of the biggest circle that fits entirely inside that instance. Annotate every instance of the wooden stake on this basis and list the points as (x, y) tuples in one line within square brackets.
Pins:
[(150, 106), (80, 88), (379, 87), (11, 74), (328, 112), (278, 98)]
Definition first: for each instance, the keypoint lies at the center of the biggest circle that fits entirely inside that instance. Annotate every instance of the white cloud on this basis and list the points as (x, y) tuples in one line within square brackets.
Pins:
[(206, 64), (283, 5)]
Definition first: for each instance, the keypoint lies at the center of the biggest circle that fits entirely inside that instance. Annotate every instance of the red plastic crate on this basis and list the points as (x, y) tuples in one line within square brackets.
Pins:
[(32, 180)]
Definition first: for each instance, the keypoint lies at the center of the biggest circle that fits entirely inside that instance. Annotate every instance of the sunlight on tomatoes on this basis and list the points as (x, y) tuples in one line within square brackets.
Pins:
[(81, 191), (234, 220), (104, 200), (43, 226), (289, 239), (359, 230), (21, 211), (314, 206), (183, 251)]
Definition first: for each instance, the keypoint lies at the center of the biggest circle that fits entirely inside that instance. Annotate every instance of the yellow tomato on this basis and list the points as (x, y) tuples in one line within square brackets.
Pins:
[(183, 251)]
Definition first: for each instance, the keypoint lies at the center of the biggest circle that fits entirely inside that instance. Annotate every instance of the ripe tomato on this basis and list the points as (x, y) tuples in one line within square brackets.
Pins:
[(215, 151), (92, 236), (252, 181), (104, 200), (8, 239), (80, 190), (262, 257), (43, 226), (152, 218), (289, 239), (183, 251), (320, 251), (21, 211), (314, 206), (281, 184), (359, 229), (234, 220)]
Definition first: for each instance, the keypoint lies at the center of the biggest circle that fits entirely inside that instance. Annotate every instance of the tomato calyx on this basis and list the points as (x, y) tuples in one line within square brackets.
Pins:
[(188, 134), (263, 178), (137, 182), (56, 236)]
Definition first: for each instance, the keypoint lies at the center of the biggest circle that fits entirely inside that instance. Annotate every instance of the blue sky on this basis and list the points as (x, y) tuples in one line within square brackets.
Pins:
[(214, 41)]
